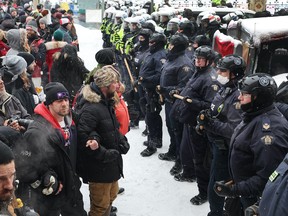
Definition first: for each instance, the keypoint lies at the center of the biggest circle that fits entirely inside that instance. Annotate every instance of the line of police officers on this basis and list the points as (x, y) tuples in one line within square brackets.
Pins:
[(225, 131)]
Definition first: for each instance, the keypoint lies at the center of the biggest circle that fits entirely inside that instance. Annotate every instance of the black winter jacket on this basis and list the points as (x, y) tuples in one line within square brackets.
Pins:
[(45, 149), (98, 121), (258, 145)]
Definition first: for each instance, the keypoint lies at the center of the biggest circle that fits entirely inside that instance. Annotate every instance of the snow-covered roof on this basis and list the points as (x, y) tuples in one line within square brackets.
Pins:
[(265, 29)]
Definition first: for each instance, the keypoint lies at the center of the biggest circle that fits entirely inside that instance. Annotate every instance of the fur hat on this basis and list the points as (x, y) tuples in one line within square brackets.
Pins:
[(32, 25), (105, 56), (104, 77), (55, 91), (15, 65), (6, 155)]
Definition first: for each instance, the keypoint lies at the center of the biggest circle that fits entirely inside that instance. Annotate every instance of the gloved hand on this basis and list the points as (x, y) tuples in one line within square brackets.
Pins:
[(199, 130), (160, 90), (187, 100), (124, 146), (172, 92), (50, 183), (224, 189), (252, 210), (204, 118), (135, 83), (110, 155)]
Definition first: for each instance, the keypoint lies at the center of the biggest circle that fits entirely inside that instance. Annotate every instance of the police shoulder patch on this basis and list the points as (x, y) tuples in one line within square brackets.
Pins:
[(162, 61), (267, 139), (186, 68), (266, 124)]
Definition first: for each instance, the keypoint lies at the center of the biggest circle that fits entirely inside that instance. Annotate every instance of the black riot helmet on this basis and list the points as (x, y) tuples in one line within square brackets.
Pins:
[(180, 43), (204, 52), (262, 88), (187, 28), (158, 38), (234, 63), (201, 40), (157, 41)]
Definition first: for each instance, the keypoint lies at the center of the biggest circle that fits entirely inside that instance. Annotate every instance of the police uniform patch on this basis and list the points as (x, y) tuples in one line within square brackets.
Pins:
[(215, 87), (266, 126), (162, 61), (267, 139), (237, 105), (186, 68), (273, 176), (264, 81), (237, 61)]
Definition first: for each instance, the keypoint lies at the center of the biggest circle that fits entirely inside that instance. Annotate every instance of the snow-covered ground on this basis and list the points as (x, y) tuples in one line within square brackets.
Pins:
[(150, 190)]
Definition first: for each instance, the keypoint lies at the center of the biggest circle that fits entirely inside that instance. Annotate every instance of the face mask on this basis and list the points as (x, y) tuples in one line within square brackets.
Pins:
[(222, 80)]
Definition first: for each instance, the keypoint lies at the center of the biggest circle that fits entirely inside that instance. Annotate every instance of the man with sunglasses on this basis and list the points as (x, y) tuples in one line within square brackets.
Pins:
[(47, 157)]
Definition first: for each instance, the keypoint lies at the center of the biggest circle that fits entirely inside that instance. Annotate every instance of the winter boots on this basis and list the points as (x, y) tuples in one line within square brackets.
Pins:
[(198, 199), (181, 177), (151, 147), (177, 168), (157, 141), (167, 156)]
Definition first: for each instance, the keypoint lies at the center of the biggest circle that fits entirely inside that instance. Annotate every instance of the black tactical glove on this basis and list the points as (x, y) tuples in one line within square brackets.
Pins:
[(172, 92), (224, 189), (252, 210), (160, 90), (110, 155), (204, 117), (187, 100), (135, 83), (50, 183), (124, 146)]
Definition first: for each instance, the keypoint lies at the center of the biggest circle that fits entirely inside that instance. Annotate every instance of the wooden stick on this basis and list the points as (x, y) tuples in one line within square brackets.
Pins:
[(129, 71), (181, 98)]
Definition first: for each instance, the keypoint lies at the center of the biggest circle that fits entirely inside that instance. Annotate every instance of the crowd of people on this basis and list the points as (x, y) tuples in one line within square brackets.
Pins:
[(228, 130)]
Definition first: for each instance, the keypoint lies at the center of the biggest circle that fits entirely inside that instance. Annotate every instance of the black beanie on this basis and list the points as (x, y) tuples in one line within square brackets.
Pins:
[(55, 91), (28, 57), (6, 155), (105, 56)]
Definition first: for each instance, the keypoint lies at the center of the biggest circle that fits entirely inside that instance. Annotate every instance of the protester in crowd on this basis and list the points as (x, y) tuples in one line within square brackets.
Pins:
[(52, 184), (37, 47), (17, 41), (100, 142), (68, 68)]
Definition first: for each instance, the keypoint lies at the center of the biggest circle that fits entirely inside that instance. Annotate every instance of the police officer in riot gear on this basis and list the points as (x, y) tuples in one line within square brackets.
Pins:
[(187, 28), (201, 89), (174, 75), (259, 142), (219, 122), (149, 78)]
